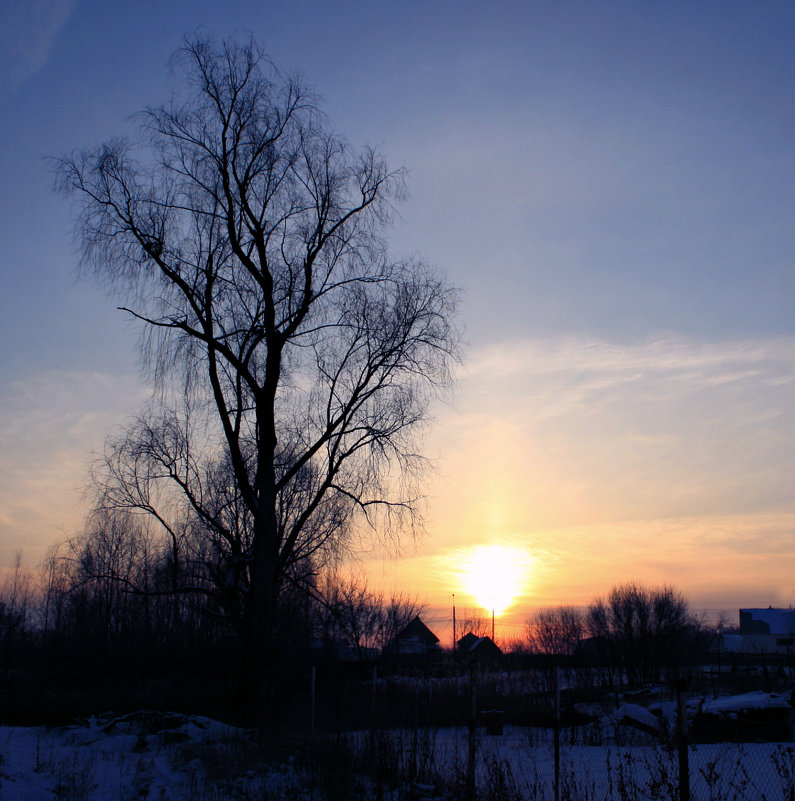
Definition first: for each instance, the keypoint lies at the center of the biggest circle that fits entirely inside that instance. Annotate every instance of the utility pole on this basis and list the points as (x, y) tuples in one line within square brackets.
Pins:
[(454, 639)]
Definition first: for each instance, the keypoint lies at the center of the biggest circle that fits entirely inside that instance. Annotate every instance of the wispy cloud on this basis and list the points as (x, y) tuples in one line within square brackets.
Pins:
[(674, 356), (667, 460), (28, 30), (659, 428), (49, 425)]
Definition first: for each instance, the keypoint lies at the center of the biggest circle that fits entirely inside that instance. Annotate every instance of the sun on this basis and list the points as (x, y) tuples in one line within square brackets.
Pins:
[(495, 575)]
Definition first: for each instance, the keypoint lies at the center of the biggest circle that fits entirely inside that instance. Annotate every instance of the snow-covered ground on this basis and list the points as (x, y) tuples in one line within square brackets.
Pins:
[(159, 757), (740, 703), (140, 757), (519, 764), (717, 771)]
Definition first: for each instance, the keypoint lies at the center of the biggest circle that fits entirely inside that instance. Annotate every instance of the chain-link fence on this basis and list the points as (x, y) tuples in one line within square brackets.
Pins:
[(520, 764), (506, 735)]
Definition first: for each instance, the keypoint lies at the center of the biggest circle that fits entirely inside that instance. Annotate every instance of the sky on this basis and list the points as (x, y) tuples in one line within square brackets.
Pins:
[(611, 186)]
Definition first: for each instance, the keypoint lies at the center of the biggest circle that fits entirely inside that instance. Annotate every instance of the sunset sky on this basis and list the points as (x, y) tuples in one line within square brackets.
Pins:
[(611, 184)]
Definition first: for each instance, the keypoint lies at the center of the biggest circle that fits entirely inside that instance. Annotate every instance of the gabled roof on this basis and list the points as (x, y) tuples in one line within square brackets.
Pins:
[(466, 642), (417, 629), (478, 647)]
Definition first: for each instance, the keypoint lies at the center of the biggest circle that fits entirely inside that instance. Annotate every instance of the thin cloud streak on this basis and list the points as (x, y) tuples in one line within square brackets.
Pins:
[(49, 424), (28, 31), (671, 354), (663, 461)]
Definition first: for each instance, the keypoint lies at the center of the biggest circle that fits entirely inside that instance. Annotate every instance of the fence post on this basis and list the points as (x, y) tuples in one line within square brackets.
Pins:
[(557, 732), (375, 684), (312, 705), (373, 711), (681, 742), (415, 762), (472, 734)]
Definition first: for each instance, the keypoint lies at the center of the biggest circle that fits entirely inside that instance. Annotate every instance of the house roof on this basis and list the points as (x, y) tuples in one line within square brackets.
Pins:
[(419, 630), (481, 647)]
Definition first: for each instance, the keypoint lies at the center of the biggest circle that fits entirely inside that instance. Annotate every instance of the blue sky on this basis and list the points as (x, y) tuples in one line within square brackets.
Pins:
[(611, 184)]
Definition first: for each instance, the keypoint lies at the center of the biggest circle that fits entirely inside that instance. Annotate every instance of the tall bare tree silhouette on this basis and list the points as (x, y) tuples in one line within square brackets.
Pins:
[(247, 238)]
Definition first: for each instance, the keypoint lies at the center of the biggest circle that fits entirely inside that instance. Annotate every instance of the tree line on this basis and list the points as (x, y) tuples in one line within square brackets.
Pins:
[(634, 631), (98, 626), (100, 611), (113, 585)]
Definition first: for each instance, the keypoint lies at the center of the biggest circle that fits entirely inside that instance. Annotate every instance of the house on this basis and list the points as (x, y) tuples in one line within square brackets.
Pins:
[(477, 649), (414, 641), (767, 631)]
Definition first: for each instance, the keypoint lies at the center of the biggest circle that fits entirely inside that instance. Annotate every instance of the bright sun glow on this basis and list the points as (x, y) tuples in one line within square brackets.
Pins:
[(495, 575)]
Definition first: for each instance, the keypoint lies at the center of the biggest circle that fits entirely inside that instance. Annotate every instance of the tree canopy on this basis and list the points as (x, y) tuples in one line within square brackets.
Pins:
[(248, 240)]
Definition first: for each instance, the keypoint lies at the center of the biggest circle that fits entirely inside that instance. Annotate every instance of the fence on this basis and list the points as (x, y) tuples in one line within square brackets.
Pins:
[(521, 765), (500, 735)]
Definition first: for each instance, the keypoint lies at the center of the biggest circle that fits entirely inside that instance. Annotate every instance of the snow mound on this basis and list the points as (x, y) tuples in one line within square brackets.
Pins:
[(637, 716), (743, 702)]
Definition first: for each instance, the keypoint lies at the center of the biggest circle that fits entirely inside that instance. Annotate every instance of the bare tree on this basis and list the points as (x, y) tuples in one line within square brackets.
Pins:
[(396, 614), (16, 598), (17, 593), (366, 620), (474, 621), (157, 469), (55, 584), (111, 565), (642, 628), (247, 240), (558, 630)]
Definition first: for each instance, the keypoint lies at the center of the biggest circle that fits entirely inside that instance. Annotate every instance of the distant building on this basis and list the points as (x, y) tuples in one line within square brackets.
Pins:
[(415, 642), (767, 631), (477, 649), (340, 650)]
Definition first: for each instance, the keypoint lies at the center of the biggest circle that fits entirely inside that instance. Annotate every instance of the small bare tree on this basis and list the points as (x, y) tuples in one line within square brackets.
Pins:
[(474, 621), (558, 630), (55, 584), (246, 238), (110, 567), (16, 596)]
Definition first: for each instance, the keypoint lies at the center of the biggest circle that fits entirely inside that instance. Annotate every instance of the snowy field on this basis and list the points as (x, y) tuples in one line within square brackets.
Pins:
[(141, 757), (519, 764), (157, 757), (522, 762)]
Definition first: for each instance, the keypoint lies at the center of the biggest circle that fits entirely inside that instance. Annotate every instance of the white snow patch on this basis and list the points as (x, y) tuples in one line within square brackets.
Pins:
[(632, 713), (745, 701), (139, 756)]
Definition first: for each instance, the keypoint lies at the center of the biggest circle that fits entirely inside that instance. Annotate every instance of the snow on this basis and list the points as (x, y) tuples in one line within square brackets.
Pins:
[(738, 703), (148, 756), (130, 758), (732, 643), (523, 758), (632, 713)]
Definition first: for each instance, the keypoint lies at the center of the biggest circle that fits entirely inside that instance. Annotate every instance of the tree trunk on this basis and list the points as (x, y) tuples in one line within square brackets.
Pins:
[(261, 653)]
